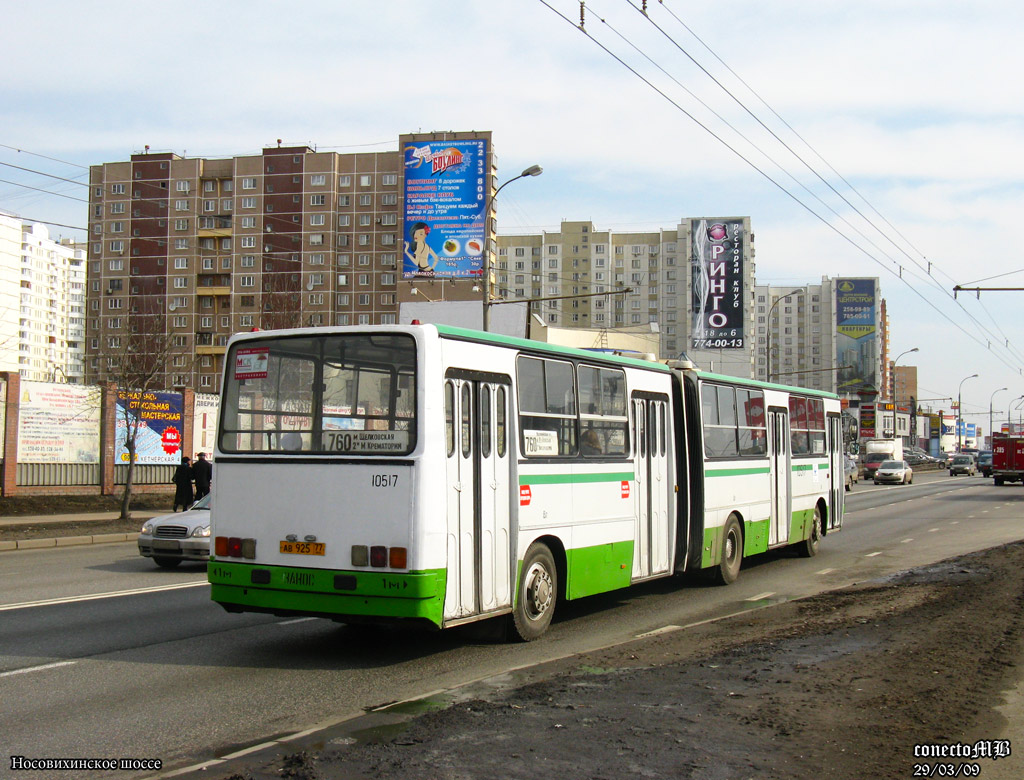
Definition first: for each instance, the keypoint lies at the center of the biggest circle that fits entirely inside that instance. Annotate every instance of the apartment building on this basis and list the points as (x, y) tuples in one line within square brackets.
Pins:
[(587, 277), (829, 336), (42, 302), (183, 252)]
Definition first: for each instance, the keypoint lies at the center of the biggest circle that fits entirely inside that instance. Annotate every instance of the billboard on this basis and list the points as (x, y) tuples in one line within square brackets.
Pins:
[(160, 426), (717, 270), (59, 423), (445, 200), (856, 334), (868, 423)]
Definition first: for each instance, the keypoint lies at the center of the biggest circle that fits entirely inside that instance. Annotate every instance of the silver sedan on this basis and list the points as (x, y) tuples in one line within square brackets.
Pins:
[(171, 539)]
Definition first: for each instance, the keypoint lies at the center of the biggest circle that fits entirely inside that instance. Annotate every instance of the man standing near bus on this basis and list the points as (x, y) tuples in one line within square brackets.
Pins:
[(202, 473)]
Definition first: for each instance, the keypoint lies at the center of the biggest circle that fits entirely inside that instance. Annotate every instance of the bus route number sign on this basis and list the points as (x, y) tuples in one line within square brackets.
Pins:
[(366, 442)]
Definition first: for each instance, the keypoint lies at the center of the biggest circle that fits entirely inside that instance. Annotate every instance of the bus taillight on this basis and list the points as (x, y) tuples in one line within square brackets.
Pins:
[(234, 547)]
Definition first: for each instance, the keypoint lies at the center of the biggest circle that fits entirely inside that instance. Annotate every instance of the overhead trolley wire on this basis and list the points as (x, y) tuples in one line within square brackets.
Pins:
[(581, 27)]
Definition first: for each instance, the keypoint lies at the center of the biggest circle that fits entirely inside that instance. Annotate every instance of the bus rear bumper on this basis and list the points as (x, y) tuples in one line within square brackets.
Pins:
[(372, 595)]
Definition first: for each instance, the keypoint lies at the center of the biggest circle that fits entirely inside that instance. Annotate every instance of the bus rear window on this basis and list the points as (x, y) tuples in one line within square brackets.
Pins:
[(350, 394)]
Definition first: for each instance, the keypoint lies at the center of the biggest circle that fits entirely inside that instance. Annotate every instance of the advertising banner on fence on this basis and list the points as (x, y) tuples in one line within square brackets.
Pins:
[(59, 423), (718, 300), (204, 422), (445, 199), (3, 412), (160, 426), (856, 334)]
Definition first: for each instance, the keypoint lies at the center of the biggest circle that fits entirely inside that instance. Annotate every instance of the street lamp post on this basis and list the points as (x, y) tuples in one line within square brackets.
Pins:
[(768, 341), (892, 384), (959, 409), (533, 170), (991, 432), (1009, 419)]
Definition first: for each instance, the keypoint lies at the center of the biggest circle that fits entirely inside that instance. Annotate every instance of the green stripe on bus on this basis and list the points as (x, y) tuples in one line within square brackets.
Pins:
[(558, 479), (416, 594), (736, 472)]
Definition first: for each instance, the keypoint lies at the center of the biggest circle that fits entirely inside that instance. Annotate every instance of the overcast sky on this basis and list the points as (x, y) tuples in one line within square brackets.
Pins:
[(919, 106)]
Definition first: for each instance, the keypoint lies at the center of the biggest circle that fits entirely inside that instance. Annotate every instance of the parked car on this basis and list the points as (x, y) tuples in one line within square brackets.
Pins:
[(185, 536), (963, 464), (985, 463), (852, 472), (894, 472)]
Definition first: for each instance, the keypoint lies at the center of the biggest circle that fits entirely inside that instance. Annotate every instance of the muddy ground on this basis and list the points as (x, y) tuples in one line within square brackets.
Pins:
[(842, 685)]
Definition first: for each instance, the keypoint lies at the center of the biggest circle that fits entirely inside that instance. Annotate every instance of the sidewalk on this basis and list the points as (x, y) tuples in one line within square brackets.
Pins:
[(139, 516)]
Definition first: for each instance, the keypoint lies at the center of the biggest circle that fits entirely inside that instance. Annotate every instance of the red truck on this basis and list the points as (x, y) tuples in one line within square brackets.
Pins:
[(1007, 458)]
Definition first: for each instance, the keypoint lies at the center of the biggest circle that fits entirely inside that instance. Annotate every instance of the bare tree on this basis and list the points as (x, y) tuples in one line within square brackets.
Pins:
[(140, 363)]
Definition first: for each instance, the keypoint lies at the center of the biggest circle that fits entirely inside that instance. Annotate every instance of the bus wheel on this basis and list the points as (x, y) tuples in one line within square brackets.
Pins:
[(538, 592), (808, 548), (732, 552)]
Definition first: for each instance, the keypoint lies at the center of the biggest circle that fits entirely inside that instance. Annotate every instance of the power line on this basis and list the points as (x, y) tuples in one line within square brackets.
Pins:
[(48, 192), (50, 175), (36, 154), (716, 136)]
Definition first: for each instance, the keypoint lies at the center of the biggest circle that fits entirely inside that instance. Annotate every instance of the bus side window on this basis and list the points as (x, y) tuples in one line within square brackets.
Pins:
[(485, 421), (499, 421), (449, 417), (467, 419)]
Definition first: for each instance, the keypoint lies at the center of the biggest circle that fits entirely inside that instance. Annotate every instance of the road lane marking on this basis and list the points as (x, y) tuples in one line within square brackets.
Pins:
[(905, 541), (872, 555), (662, 630), (955, 522), (297, 620), (761, 596), (825, 571), (28, 669), (932, 530), (95, 596), (248, 750)]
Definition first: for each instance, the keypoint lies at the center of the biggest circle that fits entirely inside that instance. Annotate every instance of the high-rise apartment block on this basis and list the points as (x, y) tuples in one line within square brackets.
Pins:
[(183, 252), (42, 302), (600, 279), (828, 336)]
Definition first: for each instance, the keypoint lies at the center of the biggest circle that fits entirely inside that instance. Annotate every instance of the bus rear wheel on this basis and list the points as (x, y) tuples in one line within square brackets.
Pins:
[(537, 594), (732, 552), (808, 548)]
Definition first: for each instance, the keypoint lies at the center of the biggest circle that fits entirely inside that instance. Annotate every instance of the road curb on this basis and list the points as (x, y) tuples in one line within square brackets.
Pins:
[(65, 541)]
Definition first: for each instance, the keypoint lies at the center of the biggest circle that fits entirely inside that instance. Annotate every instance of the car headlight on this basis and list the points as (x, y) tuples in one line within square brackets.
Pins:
[(148, 529), (203, 530)]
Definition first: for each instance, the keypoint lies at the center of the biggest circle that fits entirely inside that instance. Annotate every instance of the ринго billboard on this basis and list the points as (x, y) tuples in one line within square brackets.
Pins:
[(717, 263), (856, 337), (445, 199)]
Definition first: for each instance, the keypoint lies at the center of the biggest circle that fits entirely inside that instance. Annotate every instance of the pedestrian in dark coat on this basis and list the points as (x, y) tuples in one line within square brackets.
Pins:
[(202, 473), (182, 480)]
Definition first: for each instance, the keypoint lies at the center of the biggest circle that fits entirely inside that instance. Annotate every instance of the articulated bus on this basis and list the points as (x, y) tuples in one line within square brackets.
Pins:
[(440, 475)]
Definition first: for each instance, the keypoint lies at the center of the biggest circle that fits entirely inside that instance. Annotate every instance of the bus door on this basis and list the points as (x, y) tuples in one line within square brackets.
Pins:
[(652, 485), (837, 471), (478, 493), (780, 466)]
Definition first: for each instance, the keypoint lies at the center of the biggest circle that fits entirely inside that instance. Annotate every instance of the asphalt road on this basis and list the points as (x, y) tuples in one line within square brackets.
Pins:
[(102, 655)]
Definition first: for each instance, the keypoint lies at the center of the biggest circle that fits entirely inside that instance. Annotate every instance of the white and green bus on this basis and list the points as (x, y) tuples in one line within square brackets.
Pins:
[(441, 475)]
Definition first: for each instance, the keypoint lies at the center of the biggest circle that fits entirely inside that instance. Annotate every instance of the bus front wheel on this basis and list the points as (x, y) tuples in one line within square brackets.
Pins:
[(537, 593), (732, 552)]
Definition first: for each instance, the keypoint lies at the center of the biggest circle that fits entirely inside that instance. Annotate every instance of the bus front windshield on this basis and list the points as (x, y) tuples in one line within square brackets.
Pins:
[(347, 393)]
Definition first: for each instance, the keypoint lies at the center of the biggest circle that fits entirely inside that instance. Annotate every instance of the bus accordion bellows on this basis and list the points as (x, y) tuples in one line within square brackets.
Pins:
[(440, 475)]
